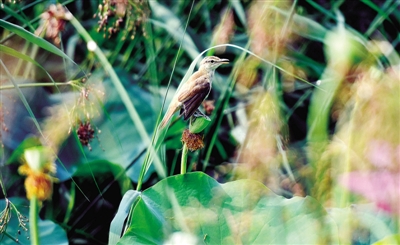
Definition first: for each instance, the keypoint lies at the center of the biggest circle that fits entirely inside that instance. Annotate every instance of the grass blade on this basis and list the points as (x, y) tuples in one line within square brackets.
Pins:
[(237, 6), (28, 36), (16, 54), (169, 21)]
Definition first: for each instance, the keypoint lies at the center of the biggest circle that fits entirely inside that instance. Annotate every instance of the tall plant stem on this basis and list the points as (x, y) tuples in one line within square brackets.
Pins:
[(33, 220), (31, 85), (184, 159)]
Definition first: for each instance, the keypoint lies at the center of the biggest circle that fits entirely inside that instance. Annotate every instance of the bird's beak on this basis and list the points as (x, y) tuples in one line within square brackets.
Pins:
[(223, 61)]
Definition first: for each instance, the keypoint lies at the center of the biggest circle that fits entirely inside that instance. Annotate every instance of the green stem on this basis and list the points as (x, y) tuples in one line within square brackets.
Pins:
[(320, 107), (28, 68), (33, 220), (184, 159), (30, 85)]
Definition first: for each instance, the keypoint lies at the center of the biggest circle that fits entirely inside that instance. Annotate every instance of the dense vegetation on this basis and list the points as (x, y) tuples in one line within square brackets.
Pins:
[(302, 145)]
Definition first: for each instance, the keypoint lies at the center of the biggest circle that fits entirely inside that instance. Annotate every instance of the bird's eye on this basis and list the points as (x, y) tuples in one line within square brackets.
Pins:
[(212, 61)]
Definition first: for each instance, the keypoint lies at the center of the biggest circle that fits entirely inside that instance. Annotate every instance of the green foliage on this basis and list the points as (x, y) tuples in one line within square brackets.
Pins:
[(199, 124), (370, 226), (118, 223), (307, 108), (121, 146), (19, 151), (243, 211), (393, 239), (103, 168)]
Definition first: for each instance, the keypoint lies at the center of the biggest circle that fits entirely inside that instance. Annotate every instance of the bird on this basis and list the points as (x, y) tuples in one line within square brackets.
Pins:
[(192, 93)]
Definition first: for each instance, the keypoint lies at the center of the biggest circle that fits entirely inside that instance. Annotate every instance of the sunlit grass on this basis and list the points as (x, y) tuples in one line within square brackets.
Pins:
[(308, 109)]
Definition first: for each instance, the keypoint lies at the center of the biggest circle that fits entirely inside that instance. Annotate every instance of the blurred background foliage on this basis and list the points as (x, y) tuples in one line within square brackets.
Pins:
[(314, 112)]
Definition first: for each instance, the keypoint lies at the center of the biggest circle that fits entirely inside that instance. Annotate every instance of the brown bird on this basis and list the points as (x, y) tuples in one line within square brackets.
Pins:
[(192, 93)]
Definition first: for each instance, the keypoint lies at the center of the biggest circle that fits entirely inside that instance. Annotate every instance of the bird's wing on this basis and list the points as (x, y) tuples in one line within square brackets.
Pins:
[(192, 97)]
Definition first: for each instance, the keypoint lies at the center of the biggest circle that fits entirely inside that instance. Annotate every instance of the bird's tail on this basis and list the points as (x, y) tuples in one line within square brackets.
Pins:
[(167, 118)]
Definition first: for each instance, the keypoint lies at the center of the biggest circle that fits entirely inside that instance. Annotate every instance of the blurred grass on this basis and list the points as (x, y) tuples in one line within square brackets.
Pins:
[(307, 86)]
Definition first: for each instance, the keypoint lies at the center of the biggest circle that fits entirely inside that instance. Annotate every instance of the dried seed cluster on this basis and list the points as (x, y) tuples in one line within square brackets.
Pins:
[(85, 133), (208, 106), (113, 13), (84, 110), (5, 217), (193, 141), (53, 22)]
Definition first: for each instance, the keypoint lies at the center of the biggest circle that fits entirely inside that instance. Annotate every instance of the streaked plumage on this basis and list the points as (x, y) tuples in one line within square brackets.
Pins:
[(190, 96)]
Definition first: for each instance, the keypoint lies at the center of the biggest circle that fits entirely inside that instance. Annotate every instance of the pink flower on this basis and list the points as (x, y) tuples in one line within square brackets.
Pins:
[(381, 187), (382, 154)]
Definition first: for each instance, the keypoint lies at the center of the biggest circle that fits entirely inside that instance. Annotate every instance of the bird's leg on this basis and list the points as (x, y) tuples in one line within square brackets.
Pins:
[(199, 113)]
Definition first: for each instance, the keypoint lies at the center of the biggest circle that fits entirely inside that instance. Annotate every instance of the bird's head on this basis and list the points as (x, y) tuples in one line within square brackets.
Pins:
[(211, 63)]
